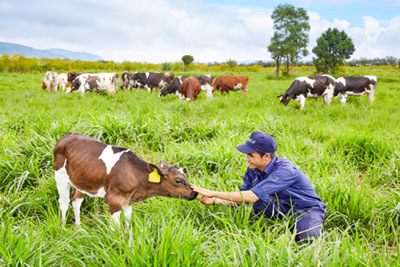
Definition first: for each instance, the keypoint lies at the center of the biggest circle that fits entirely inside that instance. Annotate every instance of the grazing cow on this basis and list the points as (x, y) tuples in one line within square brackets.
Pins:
[(150, 80), (190, 88), (50, 81), (226, 83), (96, 83), (62, 80), (126, 81), (355, 86), (71, 78), (114, 173), (175, 86), (310, 87)]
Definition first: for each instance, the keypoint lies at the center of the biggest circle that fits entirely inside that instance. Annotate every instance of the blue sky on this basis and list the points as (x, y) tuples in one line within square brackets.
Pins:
[(352, 10), (210, 30)]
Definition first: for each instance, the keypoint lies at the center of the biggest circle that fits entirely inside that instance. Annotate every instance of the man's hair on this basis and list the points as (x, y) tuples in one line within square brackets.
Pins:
[(272, 155)]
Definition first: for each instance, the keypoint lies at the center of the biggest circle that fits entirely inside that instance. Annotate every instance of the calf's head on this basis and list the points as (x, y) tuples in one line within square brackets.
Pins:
[(172, 181)]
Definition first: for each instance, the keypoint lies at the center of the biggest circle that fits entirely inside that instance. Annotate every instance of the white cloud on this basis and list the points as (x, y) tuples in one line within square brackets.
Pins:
[(245, 10), (375, 39)]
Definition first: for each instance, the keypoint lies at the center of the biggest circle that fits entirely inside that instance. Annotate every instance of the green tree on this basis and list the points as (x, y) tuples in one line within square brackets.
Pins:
[(291, 35), (232, 63), (187, 60), (332, 48), (277, 52)]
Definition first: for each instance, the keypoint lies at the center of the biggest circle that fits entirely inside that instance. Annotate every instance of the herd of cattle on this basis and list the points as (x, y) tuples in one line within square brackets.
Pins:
[(189, 87)]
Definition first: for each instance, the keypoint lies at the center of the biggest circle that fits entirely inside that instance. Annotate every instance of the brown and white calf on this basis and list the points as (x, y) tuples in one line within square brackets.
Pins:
[(355, 86), (190, 88), (114, 173), (50, 81), (175, 86), (226, 83), (62, 81)]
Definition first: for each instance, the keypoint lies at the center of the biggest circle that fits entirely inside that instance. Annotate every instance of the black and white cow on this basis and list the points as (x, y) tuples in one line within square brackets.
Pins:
[(310, 87), (175, 86), (150, 80), (126, 81), (355, 86), (96, 83)]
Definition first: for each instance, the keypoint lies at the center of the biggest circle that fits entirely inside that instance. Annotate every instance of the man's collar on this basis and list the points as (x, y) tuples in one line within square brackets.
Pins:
[(270, 166)]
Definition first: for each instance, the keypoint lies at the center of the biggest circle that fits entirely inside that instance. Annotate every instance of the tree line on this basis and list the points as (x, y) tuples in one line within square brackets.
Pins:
[(21, 64)]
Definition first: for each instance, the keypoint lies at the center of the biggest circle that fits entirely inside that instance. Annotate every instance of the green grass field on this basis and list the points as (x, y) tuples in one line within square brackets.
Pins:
[(350, 153)]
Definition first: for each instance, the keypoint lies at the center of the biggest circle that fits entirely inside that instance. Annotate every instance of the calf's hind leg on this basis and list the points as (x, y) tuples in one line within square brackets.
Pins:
[(63, 186)]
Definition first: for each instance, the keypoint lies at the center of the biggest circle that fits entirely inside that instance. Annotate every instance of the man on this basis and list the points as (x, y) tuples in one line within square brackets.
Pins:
[(275, 186)]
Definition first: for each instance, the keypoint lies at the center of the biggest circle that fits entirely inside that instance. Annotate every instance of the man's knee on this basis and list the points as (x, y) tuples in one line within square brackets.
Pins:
[(309, 225)]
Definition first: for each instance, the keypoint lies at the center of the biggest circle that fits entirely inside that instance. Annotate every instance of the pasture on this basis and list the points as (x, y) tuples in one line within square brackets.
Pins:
[(351, 155)]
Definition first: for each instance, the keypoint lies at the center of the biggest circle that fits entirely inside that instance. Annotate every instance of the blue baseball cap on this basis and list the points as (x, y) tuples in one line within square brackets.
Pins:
[(258, 142)]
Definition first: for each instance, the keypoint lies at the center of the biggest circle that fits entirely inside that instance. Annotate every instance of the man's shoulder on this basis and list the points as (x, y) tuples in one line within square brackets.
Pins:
[(283, 165)]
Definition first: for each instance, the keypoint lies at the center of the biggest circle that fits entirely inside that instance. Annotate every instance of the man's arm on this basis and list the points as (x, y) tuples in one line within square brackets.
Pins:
[(214, 201), (247, 196)]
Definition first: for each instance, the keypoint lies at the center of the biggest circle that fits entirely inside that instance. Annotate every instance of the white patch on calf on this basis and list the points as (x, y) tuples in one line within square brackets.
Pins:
[(148, 88), (181, 171), (100, 193), (128, 212), (342, 81), (372, 78), (366, 91), (307, 80), (109, 158), (116, 216), (163, 84), (208, 89), (76, 205), (238, 87), (63, 185), (302, 100), (328, 94), (310, 95)]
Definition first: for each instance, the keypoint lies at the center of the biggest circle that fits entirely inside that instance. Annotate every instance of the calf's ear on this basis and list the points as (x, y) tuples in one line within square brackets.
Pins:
[(155, 173), (163, 164)]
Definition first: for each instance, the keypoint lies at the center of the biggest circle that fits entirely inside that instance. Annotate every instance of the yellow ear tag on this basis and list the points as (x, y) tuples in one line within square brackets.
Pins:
[(154, 177)]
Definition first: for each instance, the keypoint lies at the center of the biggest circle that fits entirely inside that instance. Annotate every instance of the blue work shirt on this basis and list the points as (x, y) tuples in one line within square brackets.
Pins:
[(281, 178)]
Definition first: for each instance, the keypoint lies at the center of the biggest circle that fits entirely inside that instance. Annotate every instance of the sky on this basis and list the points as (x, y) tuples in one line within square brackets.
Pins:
[(158, 31)]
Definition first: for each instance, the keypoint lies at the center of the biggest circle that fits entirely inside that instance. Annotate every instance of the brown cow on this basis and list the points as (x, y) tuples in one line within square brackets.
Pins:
[(228, 83), (114, 173), (190, 88)]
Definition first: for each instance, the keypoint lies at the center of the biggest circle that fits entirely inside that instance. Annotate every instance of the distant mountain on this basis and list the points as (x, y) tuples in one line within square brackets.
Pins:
[(26, 51)]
